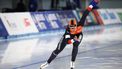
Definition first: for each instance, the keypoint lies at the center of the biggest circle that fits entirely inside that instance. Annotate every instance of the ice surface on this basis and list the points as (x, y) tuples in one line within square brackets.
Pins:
[(99, 50)]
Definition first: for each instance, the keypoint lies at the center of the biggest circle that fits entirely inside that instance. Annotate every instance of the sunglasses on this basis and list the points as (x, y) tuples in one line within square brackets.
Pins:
[(72, 26)]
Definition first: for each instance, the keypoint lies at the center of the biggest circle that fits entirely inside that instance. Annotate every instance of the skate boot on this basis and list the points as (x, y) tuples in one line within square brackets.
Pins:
[(72, 65), (44, 65), (72, 68)]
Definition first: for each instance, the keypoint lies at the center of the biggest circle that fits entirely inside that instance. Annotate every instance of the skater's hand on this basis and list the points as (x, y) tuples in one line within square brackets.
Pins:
[(94, 2), (76, 39), (70, 41), (97, 1)]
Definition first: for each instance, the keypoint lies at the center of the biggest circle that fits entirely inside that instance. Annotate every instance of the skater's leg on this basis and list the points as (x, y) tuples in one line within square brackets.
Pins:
[(75, 51), (74, 54), (60, 47)]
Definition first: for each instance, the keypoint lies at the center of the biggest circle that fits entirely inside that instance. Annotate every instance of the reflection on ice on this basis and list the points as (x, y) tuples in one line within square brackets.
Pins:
[(18, 51)]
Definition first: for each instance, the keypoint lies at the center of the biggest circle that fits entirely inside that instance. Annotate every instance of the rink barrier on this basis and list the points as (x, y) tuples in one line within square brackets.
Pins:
[(13, 25), (109, 16), (119, 12), (18, 23), (86, 30), (3, 31)]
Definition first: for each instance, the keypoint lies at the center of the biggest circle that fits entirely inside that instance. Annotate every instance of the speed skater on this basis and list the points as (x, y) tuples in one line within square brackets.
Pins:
[(73, 35)]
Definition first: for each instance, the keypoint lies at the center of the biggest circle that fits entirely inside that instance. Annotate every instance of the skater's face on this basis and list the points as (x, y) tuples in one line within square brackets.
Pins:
[(72, 28), (72, 25)]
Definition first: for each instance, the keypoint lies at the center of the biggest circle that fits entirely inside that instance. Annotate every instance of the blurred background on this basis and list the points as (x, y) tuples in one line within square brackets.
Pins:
[(42, 5)]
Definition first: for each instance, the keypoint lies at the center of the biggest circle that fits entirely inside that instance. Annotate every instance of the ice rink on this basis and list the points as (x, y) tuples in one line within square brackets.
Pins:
[(98, 50)]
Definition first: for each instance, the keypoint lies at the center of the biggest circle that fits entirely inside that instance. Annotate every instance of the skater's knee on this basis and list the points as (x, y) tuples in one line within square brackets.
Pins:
[(75, 48), (56, 52), (76, 43)]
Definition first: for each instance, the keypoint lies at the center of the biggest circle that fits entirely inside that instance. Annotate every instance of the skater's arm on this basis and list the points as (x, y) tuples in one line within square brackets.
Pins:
[(82, 20), (67, 33), (92, 4)]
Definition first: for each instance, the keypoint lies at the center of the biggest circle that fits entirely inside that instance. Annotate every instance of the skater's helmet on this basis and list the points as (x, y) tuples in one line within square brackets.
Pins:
[(72, 23)]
